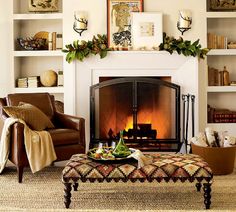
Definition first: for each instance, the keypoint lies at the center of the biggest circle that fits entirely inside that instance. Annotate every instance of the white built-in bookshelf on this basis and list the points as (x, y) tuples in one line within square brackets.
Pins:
[(222, 23), (27, 63)]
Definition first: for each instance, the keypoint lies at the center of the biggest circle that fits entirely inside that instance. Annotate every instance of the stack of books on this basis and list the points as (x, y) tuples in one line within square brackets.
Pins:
[(216, 41), (216, 115), (22, 82), (33, 82)]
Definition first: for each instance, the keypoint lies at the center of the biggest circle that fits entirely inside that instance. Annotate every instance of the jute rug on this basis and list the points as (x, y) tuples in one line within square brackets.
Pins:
[(43, 191)]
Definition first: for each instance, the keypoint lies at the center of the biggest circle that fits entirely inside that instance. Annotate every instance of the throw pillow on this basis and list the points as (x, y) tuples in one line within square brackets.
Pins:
[(33, 116)]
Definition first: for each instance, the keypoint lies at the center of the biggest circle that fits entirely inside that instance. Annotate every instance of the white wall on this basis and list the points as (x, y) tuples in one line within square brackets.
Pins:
[(5, 23), (169, 8), (97, 24)]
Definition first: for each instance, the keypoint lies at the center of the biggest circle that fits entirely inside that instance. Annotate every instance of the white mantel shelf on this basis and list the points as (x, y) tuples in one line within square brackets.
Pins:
[(182, 71), (138, 59)]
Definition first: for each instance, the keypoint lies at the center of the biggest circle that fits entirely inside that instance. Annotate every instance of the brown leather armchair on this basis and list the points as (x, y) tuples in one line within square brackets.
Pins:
[(68, 136)]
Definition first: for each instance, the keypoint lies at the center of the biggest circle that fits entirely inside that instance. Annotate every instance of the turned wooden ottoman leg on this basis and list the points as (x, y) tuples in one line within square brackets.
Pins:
[(67, 194), (75, 186), (198, 186), (207, 194)]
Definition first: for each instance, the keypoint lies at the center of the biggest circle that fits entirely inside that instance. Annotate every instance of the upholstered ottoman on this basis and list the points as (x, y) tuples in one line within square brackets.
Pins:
[(164, 167)]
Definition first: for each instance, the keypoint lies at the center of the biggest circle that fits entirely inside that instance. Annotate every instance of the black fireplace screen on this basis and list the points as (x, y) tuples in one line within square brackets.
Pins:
[(147, 109)]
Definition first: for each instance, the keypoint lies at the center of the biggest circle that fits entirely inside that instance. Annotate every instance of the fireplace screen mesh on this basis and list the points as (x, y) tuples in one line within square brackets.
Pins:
[(147, 109)]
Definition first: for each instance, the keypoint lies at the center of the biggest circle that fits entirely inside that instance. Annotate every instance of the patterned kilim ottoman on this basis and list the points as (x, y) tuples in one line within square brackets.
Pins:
[(182, 167)]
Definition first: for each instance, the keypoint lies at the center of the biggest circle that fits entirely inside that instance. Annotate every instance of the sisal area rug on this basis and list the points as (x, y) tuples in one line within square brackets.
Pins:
[(43, 191)]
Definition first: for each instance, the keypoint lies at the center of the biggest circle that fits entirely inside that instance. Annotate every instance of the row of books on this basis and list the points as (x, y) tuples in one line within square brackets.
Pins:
[(218, 78), (28, 82), (54, 41), (216, 41), (215, 115)]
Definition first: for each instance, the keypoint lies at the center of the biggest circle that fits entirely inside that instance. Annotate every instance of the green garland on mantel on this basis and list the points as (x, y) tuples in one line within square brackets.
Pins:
[(79, 50)]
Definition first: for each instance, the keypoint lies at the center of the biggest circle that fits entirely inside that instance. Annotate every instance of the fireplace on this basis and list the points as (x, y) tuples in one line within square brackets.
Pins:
[(183, 71), (146, 108)]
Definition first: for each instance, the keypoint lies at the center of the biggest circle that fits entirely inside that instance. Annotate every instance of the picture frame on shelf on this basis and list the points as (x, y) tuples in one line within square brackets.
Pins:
[(147, 30), (222, 5), (43, 6), (119, 21)]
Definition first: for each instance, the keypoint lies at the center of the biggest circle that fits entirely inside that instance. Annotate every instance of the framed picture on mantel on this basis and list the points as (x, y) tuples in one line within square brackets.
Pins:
[(147, 30), (119, 21)]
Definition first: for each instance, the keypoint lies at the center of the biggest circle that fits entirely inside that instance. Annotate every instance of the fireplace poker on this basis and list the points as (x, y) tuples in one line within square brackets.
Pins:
[(187, 120), (183, 130), (193, 113)]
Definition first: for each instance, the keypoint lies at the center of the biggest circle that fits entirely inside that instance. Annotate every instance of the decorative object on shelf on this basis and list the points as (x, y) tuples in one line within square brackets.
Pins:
[(41, 34), (80, 22), (119, 20), (60, 78), (49, 41), (43, 5), (59, 41), (185, 47), (146, 30), (226, 80), (222, 5), (48, 78), (32, 43), (231, 45), (218, 78), (185, 21), (79, 50)]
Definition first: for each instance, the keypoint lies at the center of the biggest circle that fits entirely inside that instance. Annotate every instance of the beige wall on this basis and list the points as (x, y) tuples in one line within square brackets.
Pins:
[(4, 46), (169, 8), (97, 24)]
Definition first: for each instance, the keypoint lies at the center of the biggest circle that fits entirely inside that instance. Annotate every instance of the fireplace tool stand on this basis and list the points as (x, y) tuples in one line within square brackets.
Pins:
[(185, 128)]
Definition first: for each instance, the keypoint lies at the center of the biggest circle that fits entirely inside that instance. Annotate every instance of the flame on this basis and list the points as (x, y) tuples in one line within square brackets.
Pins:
[(129, 123), (141, 119)]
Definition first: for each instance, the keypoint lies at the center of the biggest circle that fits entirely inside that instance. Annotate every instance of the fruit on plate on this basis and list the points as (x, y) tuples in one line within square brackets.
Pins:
[(102, 153)]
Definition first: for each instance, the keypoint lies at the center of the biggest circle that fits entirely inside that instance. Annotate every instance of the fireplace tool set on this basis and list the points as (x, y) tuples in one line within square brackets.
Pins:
[(186, 100)]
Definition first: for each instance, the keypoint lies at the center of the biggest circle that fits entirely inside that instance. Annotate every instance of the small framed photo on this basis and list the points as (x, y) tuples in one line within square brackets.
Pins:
[(119, 21), (147, 31), (43, 5)]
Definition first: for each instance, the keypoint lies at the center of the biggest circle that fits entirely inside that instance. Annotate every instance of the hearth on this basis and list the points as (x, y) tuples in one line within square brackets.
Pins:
[(147, 109)]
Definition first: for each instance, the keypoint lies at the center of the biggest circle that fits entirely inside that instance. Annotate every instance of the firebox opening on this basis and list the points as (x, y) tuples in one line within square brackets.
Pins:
[(147, 109)]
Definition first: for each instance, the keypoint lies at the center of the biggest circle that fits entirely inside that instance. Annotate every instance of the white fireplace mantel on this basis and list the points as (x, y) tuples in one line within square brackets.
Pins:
[(182, 70)]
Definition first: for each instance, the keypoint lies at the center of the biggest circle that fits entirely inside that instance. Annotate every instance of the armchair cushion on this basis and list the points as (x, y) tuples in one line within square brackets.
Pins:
[(32, 115)]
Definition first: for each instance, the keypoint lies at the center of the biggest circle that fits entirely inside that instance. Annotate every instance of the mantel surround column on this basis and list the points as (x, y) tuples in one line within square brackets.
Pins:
[(182, 70)]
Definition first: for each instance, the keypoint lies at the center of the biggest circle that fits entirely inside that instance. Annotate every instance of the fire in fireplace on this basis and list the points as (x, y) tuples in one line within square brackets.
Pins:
[(147, 109)]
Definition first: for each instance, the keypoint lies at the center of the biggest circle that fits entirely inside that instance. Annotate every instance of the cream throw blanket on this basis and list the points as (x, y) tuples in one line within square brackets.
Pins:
[(38, 144)]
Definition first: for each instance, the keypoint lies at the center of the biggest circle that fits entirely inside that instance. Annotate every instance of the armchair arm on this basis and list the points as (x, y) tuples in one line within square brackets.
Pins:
[(68, 121), (17, 153), (71, 122)]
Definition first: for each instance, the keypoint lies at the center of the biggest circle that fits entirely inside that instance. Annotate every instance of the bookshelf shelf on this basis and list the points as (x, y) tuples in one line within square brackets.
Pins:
[(222, 52), (43, 53), (58, 90), (37, 16), (221, 89), (221, 14)]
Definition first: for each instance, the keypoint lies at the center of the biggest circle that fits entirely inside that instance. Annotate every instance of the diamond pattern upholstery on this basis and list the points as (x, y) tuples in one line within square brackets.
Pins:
[(164, 167)]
